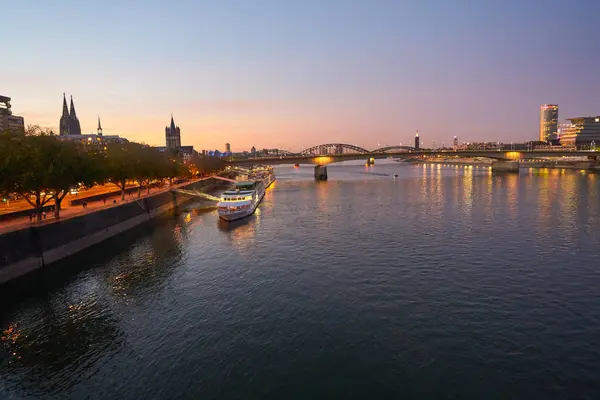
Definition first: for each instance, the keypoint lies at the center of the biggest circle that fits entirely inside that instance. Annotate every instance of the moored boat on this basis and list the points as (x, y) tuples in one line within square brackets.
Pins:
[(242, 200)]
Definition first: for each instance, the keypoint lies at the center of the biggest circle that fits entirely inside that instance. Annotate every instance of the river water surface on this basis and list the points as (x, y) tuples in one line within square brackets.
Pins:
[(446, 283)]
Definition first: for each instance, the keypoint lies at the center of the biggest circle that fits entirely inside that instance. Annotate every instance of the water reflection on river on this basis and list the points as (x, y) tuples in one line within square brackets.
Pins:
[(448, 282)]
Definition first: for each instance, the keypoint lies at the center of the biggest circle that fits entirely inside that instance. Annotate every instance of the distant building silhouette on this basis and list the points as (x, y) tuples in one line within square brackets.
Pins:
[(417, 143), (8, 121), (186, 152), (227, 148), (69, 123), (173, 143), (89, 139), (173, 136)]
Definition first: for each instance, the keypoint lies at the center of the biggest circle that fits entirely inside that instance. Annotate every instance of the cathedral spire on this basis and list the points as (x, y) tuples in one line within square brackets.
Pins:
[(65, 109), (74, 126), (172, 125), (72, 112), (99, 127), (64, 120)]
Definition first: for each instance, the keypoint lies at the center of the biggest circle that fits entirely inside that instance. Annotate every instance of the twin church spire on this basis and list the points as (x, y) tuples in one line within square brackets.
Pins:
[(69, 124)]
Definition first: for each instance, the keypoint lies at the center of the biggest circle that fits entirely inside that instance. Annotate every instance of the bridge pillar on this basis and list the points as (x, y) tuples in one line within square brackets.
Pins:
[(505, 166), (320, 173)]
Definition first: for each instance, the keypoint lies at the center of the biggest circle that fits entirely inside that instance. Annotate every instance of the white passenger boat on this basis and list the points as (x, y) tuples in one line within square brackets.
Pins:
[(242, 200)]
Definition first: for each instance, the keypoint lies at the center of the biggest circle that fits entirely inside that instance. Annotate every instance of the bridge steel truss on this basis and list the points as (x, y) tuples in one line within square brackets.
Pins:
[(336, 149), (388, 148), (333, 149)]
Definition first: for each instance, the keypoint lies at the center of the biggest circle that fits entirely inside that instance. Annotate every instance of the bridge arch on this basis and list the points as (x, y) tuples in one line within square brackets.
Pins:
[(332, 149), (388, 148)]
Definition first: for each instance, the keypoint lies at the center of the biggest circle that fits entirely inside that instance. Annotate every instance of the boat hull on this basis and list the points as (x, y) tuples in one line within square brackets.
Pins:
[(239, 214)]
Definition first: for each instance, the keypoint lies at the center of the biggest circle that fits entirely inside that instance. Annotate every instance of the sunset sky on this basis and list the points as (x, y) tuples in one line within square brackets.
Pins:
[(287, 73)]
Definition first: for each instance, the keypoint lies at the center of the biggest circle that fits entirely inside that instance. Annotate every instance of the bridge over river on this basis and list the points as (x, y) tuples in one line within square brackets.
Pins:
[(502, 160)]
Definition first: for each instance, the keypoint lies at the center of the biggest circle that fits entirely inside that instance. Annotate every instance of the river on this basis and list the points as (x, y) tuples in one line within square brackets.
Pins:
[(448, 282)]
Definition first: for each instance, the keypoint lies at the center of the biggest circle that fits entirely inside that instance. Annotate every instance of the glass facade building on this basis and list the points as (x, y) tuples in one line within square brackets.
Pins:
[(582, 132), (548, 122)]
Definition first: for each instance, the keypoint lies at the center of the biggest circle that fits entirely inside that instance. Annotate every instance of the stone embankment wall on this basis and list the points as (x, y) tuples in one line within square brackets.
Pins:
[(27, 250)]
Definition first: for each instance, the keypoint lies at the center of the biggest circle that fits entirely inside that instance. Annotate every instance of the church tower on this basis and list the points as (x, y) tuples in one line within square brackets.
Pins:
[(173, 136), (74, 127), (64, 120), (99, 127)]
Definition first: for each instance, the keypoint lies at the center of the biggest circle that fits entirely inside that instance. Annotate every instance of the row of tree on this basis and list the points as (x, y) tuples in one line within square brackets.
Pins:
[(41, 169)]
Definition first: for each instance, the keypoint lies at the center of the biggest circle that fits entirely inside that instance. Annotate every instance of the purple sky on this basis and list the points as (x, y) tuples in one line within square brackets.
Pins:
[(299, 73)]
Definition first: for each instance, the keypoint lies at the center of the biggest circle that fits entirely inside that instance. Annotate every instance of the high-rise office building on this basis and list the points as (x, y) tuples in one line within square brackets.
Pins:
[(227, 148), (548, 122), (417, 143), (455, 142), (173, 136), (8, 121)]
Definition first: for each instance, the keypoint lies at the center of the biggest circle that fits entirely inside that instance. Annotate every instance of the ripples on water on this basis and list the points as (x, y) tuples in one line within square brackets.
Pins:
[(445, 283)]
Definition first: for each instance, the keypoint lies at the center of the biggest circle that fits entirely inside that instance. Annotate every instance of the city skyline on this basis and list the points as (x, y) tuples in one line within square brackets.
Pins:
[(304, 73)]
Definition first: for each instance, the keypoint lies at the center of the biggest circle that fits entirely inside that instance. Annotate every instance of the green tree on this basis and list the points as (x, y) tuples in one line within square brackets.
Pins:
[(208, 164), (147, 167), (168, 166), (120, 164), (32, 166), (72, 165)]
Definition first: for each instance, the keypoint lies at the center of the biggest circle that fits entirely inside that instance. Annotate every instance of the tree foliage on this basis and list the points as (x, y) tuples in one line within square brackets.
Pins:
[(41, 168)]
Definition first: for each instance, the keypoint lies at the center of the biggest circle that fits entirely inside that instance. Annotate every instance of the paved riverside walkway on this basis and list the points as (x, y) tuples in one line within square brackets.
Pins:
[(92, 206)]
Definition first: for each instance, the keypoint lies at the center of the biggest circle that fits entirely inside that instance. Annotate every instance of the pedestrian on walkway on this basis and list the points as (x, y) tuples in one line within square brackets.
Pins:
[(44, 214), (30, 217)]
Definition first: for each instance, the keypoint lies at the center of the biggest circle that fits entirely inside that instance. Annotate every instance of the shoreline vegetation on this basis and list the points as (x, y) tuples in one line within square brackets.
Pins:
[(41, 168)]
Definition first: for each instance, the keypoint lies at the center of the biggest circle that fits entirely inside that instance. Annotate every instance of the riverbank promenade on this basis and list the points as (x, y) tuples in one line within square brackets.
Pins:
[(112, 199)]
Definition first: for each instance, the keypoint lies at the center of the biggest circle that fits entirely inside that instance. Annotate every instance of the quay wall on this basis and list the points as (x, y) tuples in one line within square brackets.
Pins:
[(29, 249), (587, 165)]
